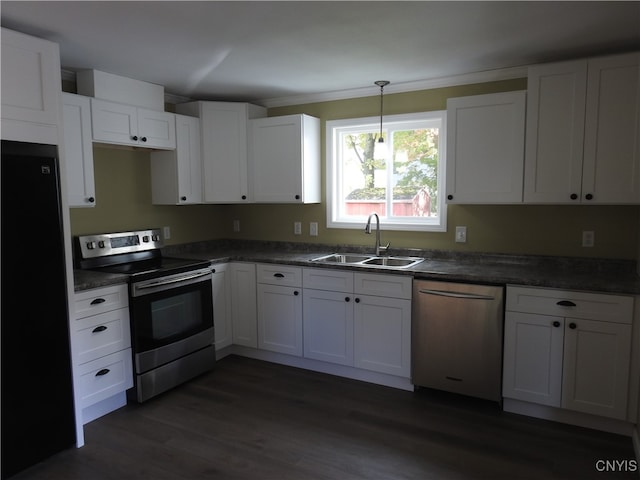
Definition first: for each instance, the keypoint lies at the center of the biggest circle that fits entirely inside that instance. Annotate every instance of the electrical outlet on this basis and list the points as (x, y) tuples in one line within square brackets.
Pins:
[(236, 225), (166, 233), (313, 229), (588, 238), (297, 228), (461, 234)]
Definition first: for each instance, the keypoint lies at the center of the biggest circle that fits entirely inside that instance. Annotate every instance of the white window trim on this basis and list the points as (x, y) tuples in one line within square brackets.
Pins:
[(332, 179)]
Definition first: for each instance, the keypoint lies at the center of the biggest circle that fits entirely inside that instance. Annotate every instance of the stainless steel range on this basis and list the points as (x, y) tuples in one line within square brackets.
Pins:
[(170, 303)]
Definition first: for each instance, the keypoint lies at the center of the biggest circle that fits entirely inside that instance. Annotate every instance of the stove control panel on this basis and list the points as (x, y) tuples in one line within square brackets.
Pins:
[(104, 244)]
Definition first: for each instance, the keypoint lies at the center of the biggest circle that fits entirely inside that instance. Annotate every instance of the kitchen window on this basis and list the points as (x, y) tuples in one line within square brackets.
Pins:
[(404, 185)]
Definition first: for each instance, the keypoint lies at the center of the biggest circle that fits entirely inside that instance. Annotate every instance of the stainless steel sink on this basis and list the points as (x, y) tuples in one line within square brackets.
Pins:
[(369, 260), (343, 258), (394, 262)]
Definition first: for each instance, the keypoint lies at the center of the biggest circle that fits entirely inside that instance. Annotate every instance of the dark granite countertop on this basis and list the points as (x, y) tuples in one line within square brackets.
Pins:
[(598, 275)]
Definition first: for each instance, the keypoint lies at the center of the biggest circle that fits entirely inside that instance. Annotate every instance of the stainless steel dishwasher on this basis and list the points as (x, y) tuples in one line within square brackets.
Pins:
[(457, 338)]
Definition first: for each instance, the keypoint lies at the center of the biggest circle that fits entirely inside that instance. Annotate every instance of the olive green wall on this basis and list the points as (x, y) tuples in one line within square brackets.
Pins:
[(123, 195), (123, 202)]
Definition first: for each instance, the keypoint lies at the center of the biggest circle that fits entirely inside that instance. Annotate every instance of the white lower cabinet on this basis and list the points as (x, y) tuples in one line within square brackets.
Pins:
[(279, 296), (101, 348), (222, 319), (244, 312), (361, 320), (568, 349)]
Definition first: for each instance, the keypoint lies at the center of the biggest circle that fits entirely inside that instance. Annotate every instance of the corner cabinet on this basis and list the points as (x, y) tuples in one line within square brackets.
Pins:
[(31, 88), (284, 159), (122, 124), (485, 148), (78, 149), (568, 349), (224, 137), (176, 175), (583, 139)]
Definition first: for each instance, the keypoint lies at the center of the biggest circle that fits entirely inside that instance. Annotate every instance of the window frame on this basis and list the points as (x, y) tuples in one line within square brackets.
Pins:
[(334, 128)]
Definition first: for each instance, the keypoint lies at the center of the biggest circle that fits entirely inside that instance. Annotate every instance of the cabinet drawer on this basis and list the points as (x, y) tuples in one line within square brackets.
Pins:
[(568, 303), (279, 275), (100, 300), (100, 335), (327, 279), (395, 286), (104, 377)]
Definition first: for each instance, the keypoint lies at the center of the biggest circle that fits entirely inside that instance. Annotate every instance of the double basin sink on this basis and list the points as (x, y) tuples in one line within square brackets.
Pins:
[(369, 260)]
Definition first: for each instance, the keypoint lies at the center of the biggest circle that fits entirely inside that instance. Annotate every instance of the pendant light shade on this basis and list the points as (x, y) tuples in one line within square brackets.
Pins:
[(380, 149)]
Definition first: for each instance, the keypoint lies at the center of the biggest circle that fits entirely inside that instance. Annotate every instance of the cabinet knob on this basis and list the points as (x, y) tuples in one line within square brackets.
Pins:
[(184, 199), (244, 197), (449, 197), (572, 326), (589, 196), (97, 301), (91, 200), (102, 372), (347, 299), (574, 196), (144, 139), (565, 303), (134, 138), (357, 300), (98, 329), (556, 324), (213, 270), (278, 275), (296, 292), (297, 197)]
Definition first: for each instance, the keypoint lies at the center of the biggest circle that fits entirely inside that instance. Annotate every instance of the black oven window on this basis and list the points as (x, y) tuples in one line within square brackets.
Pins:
[(175, 315)]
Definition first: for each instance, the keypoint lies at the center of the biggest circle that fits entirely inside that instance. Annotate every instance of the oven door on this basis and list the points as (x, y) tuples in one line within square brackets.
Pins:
[(171, 316)]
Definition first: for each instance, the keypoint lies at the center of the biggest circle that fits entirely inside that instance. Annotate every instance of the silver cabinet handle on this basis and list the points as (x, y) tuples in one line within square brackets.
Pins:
[(470, 296)]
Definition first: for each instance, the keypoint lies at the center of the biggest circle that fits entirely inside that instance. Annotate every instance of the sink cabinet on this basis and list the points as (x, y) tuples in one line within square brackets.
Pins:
[(76, 114), (568, 349), (279, 296), (31, 89), (582, 131)]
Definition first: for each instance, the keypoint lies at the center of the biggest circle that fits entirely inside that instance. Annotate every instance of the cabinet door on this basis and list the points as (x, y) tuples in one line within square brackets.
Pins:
[(224, 152), (78, 150), (156, 129), (533, 346), (114, 122), (280, 319), (596, 367), (276, 159), (244, 309), (222, 306), (31, 88), (176, 175), (612, 130), (382, 335), (555, 132), (485, 148), (328, 326)]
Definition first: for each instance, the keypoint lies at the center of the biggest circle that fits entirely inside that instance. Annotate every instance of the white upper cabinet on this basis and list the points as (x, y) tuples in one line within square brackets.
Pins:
[(285, 159), (31, 88), (583, 132), (485, 148), (176, 175), (223, 128), (123, 124), (76, 114)]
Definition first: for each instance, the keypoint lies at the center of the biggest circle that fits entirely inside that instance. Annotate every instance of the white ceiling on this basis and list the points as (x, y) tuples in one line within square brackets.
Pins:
[(268, 52)]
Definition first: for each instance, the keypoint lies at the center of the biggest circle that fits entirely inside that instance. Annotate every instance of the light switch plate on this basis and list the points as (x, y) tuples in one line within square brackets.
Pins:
[(461, 234), (588, 238), (313, 229), (297, 228)]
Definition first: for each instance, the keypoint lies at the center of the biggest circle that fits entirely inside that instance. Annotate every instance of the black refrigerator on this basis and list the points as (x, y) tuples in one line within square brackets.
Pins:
[(37, 387)]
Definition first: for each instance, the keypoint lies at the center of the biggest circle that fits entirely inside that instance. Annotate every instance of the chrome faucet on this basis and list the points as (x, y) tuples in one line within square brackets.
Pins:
[(367, 229)]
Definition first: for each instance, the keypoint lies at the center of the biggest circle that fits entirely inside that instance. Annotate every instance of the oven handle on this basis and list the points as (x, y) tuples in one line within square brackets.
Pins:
[(172, 280)]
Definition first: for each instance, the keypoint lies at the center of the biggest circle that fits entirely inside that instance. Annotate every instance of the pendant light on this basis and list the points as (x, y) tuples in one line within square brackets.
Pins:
[(380, 149)]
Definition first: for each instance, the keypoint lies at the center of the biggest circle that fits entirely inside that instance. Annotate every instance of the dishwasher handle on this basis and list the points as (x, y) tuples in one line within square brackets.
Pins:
[(470, 296)]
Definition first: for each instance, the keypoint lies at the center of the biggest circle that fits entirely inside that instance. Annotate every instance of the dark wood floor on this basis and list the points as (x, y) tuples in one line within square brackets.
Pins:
[(255, 420)]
